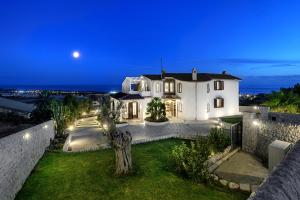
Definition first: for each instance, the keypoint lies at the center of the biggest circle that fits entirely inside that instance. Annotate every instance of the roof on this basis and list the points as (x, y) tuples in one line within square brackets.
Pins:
[(201, 77), (16, 105), (124, 96)]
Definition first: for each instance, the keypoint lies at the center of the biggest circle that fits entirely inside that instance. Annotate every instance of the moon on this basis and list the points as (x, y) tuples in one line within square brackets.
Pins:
[(76, 54)]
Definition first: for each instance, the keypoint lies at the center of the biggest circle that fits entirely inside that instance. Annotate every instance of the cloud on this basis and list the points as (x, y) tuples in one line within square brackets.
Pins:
[(258, 61)]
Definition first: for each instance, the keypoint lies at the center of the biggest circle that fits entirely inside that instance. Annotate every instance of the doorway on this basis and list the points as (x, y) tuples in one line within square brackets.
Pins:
[(132, 110), (170, 108)]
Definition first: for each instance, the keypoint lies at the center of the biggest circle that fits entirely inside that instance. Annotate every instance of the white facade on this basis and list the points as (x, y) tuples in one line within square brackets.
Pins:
[(187, 99)]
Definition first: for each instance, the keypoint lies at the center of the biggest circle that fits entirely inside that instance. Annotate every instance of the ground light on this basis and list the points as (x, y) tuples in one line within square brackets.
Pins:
[(255, 123)]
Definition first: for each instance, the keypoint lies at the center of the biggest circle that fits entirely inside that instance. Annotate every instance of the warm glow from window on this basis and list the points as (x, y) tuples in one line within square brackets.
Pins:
[(166, 87), (171, 87)]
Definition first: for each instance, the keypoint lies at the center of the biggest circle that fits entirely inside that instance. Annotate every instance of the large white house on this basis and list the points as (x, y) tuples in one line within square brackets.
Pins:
[(187, 96)]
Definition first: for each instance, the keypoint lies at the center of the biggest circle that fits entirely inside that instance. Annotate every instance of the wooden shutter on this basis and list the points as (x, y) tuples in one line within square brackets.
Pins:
[(222, 103), (215, 85), (222, 85), (215, 103)]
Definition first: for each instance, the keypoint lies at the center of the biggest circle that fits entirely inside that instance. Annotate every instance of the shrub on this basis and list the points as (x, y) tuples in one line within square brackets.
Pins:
[(191, 160), (218, 140)]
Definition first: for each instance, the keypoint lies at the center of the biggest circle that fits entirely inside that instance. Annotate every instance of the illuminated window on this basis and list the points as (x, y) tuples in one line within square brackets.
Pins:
[(171, 87), (218, 102), (166, 87)]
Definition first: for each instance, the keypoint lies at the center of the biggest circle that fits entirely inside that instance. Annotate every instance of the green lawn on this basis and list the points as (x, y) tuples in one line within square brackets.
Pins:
[(89, 176), (232, 120)]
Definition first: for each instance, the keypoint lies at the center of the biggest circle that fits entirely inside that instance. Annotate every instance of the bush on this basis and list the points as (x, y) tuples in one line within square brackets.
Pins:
[(218, 140), (191, 160)]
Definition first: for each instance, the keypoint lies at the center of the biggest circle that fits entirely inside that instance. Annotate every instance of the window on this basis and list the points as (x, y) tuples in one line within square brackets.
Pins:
[(157, 87), (179, 106), (171, 87), (179, 87), (218, 102), (167, 87), (208, 88), (219, 85)]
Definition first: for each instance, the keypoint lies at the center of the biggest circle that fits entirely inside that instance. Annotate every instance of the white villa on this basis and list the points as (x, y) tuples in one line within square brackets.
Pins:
[(187, 96)]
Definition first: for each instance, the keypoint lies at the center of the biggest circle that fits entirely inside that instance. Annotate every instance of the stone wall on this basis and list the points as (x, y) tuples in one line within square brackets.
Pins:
[(19, 153), (284, 117), (258, 133)]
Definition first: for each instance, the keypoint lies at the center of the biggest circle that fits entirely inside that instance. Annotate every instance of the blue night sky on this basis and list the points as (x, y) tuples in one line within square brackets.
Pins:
[(127, 38)]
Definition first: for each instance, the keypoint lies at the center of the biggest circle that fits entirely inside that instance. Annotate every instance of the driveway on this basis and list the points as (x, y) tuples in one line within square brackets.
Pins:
[(87, 137)]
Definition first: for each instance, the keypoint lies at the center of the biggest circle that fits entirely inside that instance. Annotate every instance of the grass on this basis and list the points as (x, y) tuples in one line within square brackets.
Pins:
[(232, 120), (89, 176)]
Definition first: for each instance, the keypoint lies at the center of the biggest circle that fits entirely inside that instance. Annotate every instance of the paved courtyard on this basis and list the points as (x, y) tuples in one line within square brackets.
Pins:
[(242, 168), (88, 135)]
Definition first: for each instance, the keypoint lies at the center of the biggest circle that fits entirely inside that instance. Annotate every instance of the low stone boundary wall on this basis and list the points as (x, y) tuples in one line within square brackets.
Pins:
[(19, 153), (258, 133)]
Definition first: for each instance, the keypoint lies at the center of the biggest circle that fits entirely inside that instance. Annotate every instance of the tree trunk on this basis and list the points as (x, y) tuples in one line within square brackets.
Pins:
[(121, 143)]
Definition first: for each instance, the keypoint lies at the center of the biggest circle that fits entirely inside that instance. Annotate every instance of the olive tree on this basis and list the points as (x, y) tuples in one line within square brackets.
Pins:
[(120, 141)]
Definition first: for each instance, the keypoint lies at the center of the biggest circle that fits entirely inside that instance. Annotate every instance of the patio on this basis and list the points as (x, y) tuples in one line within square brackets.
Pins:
[(87, 136)]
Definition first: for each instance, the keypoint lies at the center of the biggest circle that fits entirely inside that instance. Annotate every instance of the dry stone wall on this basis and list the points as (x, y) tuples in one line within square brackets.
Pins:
[(258, 136), (19, 153)]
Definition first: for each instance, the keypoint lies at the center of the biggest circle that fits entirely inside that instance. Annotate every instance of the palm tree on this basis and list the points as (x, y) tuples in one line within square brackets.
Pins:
[(156, 109)]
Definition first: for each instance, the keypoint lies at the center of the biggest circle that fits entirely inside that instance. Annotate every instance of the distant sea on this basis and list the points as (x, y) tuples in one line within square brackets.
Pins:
[(248, 85)]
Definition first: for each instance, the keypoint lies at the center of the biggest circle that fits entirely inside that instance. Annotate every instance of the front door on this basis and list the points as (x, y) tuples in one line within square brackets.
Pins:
[(170, 108), (132, 110)]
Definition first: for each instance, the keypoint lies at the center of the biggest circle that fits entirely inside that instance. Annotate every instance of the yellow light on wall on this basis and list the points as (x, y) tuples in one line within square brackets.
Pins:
[(105, 126), (46, 126), (255, 123), (71, 128), (26, 136)]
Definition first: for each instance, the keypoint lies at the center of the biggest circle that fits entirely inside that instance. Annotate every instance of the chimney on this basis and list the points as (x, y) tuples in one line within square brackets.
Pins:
[(194, 74)]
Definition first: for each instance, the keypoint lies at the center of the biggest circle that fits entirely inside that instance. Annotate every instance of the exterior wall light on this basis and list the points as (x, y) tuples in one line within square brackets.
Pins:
[(255, 123), (255, 107), (46, 126), (26, 136), (71, 128), (105, 126)]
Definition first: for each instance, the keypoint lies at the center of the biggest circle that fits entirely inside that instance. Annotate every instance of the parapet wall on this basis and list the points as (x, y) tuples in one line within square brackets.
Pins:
[(19, 153)]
